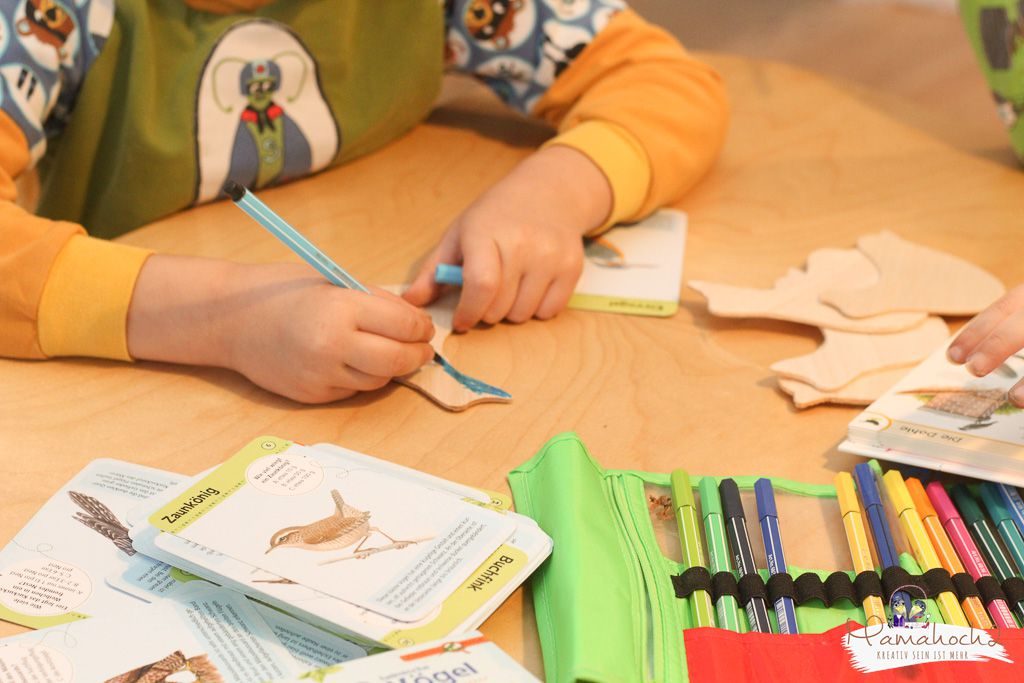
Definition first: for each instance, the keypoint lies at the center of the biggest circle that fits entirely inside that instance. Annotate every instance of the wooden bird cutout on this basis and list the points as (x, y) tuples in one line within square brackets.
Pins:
[(862, 391), (795, 296), (845, 356), (345, 527), (100, 519), (913, 277), (433, 380)]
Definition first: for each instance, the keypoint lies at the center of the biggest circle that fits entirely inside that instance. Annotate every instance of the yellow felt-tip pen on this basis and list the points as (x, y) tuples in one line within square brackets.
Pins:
[(857, 537), (925, 554)]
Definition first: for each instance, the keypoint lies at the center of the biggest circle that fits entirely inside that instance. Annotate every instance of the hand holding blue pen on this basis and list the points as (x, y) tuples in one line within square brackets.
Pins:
[(337, 275)]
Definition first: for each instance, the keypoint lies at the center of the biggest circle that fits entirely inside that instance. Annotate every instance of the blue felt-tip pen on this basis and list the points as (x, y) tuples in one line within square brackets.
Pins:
[(785, 610), (881, 533), (447, 274), (1015, 504)]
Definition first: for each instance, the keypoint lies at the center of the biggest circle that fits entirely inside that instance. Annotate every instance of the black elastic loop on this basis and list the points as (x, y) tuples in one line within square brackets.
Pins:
[(808, 587), (1014, 589), (989, 588), (965, 587), (780, 586), (694, 578), (724, 583), (867, 584), (839, 586), (751, 586), (895, 578), (937, 581)]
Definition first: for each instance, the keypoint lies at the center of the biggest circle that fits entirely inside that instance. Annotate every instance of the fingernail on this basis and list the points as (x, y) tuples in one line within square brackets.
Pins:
[(1017, 396), (975, 364), (955, 354)]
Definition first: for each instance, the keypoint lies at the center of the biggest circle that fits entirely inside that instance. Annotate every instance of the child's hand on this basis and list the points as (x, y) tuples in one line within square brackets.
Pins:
[(281, 325), (520, 244), (991, 337)]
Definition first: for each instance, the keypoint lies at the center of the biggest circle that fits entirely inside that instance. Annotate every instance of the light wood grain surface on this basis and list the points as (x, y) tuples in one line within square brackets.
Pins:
[(807, 165)]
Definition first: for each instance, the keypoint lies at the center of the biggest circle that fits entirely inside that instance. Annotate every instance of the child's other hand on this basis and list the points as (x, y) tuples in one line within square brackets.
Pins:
[(281, 325), (520, 244), (991, 337)]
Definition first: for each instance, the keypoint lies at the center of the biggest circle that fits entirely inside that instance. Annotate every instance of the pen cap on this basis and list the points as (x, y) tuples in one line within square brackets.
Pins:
[(234, 190), (682, 491), (941, 501), (997, 509), (866, 485), (846, 494), (968, 507), (898, 493), (920, 498), (765, 496), (710, 503), (732, 506)]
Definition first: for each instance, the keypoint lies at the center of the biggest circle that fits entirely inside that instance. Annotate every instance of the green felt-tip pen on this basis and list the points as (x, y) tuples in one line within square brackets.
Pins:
[(727, 608), (1003, 520), (689, 539), (995, 558)]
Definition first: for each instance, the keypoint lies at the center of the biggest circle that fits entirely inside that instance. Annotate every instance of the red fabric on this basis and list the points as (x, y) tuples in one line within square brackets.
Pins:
[(714, 655)]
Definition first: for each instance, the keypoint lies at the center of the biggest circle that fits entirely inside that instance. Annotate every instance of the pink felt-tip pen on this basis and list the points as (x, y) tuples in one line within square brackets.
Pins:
[(967, 550)]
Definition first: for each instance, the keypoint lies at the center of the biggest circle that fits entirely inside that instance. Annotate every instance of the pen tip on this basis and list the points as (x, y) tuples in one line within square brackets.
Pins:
[(234, 190)]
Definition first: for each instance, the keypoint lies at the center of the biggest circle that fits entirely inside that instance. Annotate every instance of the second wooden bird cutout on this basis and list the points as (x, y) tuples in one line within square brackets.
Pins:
[(845, 356), (795, 296), (913, 277), (860, 392)]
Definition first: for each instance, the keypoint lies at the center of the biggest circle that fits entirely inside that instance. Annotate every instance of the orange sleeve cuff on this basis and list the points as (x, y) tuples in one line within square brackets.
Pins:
[(621, 158), (651, 116), (84, 307)]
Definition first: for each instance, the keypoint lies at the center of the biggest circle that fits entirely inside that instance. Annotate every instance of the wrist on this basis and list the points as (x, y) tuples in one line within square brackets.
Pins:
[(180, 311)]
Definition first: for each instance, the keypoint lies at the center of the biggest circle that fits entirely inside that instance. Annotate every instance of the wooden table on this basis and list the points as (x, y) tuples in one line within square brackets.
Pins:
[(807, 165)]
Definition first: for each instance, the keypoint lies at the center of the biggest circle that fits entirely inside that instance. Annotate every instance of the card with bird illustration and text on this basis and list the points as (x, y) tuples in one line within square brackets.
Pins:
[(466, 608), (354, 533), (56, 569), (204, 634)]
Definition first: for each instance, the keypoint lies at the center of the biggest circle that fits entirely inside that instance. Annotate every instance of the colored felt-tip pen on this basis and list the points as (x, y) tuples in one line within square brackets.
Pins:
[(448, 274), (856, 537), (689, 539), (973, 609), (771, 534), (727, 608), (881, 533), (924, 553), (966, 549), (1011, 497), (742, 553), (985, 537), (1001, 517)]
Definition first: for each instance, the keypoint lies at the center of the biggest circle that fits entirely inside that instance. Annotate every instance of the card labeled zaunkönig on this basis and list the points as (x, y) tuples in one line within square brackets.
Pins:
[(360, 535)]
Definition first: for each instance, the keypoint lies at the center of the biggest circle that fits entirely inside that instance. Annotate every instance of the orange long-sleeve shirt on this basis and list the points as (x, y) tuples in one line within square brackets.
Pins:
[(175, 99)]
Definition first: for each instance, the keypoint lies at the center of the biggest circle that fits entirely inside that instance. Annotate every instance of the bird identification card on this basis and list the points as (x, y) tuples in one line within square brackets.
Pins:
[(208, 634), (55, 570), (360, 535), (635, 269)]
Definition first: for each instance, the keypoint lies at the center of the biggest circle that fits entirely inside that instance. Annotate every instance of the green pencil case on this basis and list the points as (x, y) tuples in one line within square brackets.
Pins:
[(609, 604)]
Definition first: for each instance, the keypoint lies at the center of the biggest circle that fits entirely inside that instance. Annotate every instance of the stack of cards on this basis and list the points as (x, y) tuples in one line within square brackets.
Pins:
[(378, 553)]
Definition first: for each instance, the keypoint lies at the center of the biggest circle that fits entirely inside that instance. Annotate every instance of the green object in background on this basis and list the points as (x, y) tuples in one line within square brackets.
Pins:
[(996, 31), (689, 540), (727, 608)]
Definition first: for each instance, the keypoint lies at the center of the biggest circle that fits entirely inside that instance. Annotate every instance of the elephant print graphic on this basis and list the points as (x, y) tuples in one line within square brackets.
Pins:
[(262, 119)]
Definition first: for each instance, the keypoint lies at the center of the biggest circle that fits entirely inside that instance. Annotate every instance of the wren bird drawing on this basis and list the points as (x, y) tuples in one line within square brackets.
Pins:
[(347, 526)]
